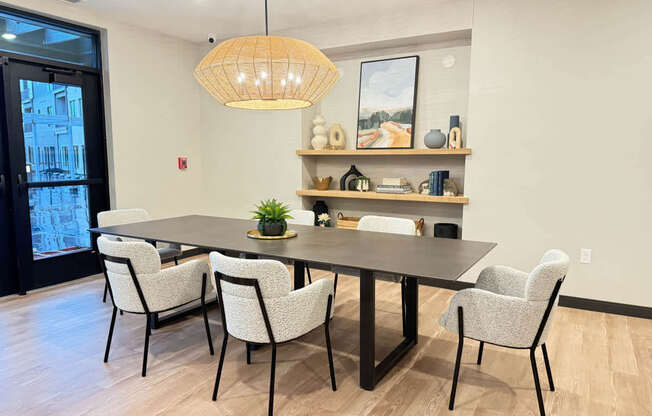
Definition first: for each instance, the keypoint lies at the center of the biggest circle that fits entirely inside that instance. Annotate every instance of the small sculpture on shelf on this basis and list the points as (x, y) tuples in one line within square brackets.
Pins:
[(319, 139), (434, 139), (424, 187), (347, 182), (455, 133), (362, 183), (322, 182), (450, 189), (336, 139)]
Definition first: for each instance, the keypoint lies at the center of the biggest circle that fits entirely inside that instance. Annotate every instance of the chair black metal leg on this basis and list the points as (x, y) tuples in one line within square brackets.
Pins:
[(270, 411), (148, 331), (480, 352), (309, 277), (205, 313), (176, 261), (537, 385), (106, 289), (404, 316), (219, 367), (547, 361), (460, 346), (248, 345), (328, 342), (121, 313), (108, 341), (335, 285)]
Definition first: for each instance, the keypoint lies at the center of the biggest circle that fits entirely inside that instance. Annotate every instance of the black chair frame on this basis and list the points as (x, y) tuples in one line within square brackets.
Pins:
[(147, 312), (254, 283), (532, 348)]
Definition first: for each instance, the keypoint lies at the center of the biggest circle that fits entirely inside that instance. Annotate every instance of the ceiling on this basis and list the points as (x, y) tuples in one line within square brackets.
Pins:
[(193, 20)]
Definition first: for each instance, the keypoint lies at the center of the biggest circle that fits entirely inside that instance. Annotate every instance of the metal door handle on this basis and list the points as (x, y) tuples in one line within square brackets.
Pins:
[(3, 186), (21, 182)]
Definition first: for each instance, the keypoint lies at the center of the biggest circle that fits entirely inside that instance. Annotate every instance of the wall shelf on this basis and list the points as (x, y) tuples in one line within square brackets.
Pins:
[(414, 197), (385, 152)]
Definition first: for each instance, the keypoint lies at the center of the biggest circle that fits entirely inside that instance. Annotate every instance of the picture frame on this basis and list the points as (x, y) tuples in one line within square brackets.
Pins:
[(387, 100)]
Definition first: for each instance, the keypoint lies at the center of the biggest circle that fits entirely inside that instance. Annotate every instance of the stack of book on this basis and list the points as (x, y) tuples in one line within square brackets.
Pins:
[(436, 181), (394, 186)]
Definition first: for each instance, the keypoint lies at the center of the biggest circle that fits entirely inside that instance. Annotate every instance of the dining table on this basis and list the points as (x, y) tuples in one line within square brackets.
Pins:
[(415, 259)]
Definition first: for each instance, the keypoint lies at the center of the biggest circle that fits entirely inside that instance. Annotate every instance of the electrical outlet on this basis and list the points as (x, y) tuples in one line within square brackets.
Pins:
[(585, 255)]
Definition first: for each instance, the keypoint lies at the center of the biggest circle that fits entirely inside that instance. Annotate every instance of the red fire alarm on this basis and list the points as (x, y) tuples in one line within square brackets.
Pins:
[(183, 163)]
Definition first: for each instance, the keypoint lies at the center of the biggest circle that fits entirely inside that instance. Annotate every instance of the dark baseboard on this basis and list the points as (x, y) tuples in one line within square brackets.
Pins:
[(193, 252), (606, 307)]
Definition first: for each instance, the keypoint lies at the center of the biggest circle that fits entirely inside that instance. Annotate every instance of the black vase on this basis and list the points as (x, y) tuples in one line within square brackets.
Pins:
[(351, 174), (320, 207), (269, 228)]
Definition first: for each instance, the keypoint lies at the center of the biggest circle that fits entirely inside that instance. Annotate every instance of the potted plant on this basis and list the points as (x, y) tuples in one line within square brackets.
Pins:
[(324, 220), (271, 216)]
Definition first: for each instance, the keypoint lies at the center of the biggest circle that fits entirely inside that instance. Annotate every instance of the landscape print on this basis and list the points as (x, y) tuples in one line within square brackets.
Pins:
[(387, 100)]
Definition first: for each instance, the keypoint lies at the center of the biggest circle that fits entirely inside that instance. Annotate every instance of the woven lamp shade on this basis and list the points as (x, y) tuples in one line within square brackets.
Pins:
[(266, 73)]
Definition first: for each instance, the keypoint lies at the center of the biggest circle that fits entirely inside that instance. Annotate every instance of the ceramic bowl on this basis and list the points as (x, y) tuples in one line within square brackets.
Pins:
[(322, 183)]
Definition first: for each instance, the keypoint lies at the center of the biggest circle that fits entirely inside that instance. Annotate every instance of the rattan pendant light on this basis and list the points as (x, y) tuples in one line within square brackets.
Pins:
[(266, 72)]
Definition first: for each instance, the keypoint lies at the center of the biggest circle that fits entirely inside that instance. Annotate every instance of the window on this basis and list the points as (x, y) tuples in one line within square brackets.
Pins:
[(75, 155), (64, 157), (42, 38), (52, 159), (30, 155), (50, 112)]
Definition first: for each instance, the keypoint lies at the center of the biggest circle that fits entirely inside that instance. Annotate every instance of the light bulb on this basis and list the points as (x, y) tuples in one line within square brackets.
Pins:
[(283, 83), (263, 75), (8, 36), (257, 83), (298, 80), (242, 75), (290, 76)]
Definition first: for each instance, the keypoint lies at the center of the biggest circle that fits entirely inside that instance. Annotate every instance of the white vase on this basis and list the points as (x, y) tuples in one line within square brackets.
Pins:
[(319, 140)]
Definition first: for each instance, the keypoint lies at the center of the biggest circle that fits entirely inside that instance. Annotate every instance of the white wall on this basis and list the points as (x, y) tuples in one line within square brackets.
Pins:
[(560, 127), (152, 112)]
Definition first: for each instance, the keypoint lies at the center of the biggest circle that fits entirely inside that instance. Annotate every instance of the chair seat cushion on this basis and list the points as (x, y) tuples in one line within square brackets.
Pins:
[(168, 253)]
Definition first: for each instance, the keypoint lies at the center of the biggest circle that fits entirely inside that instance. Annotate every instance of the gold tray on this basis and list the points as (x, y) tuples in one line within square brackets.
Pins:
[(258, 236)]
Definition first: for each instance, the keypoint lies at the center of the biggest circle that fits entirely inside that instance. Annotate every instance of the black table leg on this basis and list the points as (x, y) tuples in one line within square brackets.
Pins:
[(367, 330), (370, 373), (299, 274)]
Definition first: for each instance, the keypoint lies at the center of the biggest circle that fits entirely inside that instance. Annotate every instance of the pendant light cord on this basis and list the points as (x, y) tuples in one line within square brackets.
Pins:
[(266, 24)]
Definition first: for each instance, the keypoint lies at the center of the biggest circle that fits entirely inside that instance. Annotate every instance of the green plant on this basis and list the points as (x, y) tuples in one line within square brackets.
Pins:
[(271, 211)]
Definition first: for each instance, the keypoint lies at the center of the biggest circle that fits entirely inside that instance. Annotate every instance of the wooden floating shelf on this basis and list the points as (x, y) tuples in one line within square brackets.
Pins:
[(389, 197), (385, 152)]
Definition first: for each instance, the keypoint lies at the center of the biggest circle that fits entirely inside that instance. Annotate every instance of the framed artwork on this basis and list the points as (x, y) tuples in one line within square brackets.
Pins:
[(387, 103)]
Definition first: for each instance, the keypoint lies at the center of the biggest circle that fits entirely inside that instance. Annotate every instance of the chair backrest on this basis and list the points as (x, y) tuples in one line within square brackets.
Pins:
[(542, 280), (302, 217), (120, 217), (143, 258), (242, 309), (391, 225)]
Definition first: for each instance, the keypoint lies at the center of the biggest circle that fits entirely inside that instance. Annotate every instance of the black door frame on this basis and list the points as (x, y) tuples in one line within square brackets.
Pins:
[(62, 268)]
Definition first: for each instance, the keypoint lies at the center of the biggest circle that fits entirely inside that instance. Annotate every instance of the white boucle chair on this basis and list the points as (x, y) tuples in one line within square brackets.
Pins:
[(167, 252), (391, 225), (302, 217), (138, 284), (509, 308), (258, 307)]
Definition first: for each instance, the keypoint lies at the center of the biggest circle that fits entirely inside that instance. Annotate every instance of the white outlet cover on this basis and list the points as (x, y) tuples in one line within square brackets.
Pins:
[(585, 255)]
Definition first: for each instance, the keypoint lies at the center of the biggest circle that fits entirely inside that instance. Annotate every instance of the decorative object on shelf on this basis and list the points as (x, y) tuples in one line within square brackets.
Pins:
[(395, 181), (455, 133), (436, 182), (362, 183), (348, 223), (319, 208), (434, 139), (449, 187), (324, 220), (266, 72), (387, 103), (419, 226), (258, 236), (394, 189), (319, 139), (322, 182), (347, 181), (448, 61), (271, 216), (337, 139), (424, 187), (445, 230)]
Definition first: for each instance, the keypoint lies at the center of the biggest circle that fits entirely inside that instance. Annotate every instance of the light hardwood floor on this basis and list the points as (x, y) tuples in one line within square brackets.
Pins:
[(52, 343)]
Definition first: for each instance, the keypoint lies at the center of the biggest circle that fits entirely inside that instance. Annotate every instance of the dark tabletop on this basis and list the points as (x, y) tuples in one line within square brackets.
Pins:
[(424, 257)]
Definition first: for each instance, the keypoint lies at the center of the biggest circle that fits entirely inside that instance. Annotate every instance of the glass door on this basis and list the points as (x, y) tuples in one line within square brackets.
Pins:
[(8, 276), (58, 170)]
